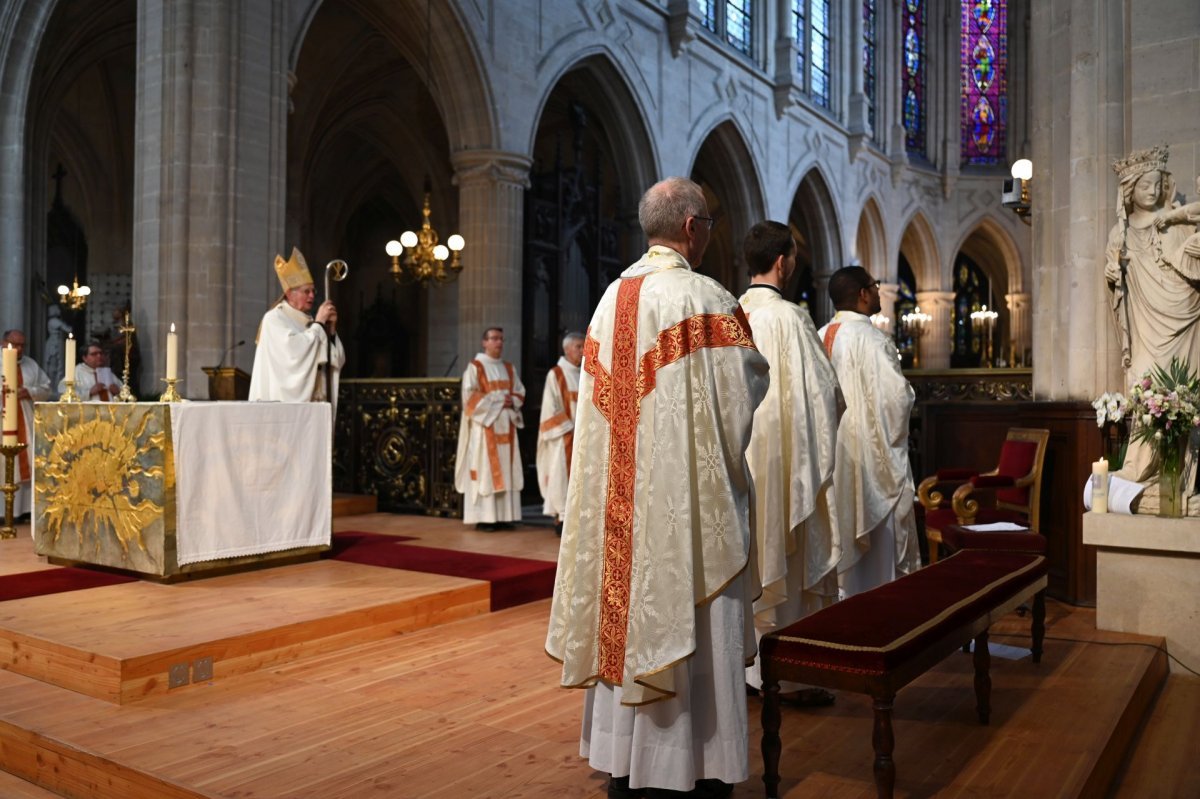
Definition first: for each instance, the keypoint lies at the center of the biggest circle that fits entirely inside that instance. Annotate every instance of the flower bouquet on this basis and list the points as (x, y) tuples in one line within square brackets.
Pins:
[(1112, 409), (1165, 408)]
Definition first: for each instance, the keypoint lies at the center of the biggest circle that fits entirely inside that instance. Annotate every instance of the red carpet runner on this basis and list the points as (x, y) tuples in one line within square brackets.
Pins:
[(515, 581), (54, 581)]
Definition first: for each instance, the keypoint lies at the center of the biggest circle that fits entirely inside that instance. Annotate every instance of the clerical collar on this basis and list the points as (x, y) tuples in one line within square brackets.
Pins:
[(766, 286)]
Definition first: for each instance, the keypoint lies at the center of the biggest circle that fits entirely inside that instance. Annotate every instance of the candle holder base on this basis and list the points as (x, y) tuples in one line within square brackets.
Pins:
[(10, 452), (171, 395), (69, 395), (125, 394)]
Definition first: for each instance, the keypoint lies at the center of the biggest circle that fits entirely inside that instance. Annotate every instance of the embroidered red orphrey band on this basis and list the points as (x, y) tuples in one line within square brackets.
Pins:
[(618, 397), (492, 440), (830, 332)]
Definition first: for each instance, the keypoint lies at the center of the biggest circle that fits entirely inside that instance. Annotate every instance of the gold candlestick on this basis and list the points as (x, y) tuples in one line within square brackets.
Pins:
[(128, 330), (69, 395), (11, 451), (171, 395)]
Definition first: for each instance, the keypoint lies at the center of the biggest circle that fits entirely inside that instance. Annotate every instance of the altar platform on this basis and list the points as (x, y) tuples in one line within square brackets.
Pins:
[(348, 697)]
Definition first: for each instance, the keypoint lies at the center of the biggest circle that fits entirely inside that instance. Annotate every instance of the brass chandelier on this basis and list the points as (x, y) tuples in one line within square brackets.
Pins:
[(76, 296), (426, 260)]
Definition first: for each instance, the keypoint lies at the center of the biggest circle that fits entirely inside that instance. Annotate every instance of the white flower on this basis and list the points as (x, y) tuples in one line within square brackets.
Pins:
[(1101, 414)]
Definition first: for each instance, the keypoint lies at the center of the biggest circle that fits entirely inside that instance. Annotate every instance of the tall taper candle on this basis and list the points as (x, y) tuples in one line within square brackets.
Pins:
[(172, 353), (69, 373), (10, 395)]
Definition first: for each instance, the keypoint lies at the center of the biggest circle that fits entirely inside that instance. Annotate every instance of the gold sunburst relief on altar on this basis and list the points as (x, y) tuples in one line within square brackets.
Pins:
[(104, 484)]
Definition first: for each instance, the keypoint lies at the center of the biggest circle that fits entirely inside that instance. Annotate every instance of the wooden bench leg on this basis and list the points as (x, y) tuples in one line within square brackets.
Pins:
[(884, 742), (771, 746), (1038, 630), (983, 679)]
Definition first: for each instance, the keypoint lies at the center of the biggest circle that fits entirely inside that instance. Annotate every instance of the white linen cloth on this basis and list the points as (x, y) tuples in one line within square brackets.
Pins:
[(872, 481), (556, 435), (791, 459), (251, 478)]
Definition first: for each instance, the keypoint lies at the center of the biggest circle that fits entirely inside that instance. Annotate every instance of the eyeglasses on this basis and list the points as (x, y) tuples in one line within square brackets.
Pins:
[(873, 284), (707, 219)]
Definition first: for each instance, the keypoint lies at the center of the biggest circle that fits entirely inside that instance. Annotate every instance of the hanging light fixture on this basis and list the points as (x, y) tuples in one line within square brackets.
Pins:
[(426, 260), (76, 296)]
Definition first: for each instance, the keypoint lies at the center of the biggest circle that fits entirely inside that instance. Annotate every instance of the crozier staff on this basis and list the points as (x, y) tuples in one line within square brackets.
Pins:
[(295, 350)]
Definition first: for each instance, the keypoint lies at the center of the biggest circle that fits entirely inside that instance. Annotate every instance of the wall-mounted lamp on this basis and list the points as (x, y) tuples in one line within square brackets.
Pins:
[(1016, 189)]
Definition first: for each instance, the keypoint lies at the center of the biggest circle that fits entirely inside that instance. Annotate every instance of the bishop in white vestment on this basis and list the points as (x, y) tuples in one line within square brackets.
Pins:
[(33, 385), (556, 428), (791, 452), (872, 481), (487, 470), (656, 567), (291, 359)]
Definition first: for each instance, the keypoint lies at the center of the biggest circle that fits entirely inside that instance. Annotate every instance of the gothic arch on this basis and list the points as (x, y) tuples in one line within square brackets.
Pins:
[(919, 247), (870, 242), (814, 220), (991, 246), (725, 168), (457, 86)]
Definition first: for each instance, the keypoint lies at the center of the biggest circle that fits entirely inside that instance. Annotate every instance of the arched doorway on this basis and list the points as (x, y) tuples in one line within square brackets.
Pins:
[(929, 346), (814, 223), (725, 170), (990, 253)]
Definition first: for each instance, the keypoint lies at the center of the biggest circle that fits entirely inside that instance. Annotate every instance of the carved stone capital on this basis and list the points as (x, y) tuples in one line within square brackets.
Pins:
[(492, 167), (683, 21)]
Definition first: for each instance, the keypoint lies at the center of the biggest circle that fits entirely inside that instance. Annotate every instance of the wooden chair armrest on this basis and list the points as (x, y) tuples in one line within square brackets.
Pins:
[(929, 499), (965, 508)]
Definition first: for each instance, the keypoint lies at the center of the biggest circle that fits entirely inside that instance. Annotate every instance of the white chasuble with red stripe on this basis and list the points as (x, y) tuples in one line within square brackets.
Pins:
[(556, 435), (657, 508), (489, 460)]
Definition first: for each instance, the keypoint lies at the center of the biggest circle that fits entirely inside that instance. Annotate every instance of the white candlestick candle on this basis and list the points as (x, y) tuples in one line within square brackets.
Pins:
[(1100, 486), (10, 396), (172, 353), (69, 368)]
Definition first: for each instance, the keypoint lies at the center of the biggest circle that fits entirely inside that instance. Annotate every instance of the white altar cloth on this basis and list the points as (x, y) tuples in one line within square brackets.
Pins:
[(251, 477)]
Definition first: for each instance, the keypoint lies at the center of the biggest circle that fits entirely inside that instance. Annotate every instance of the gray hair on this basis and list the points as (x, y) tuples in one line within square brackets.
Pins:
[(574, 335), (666, 205)]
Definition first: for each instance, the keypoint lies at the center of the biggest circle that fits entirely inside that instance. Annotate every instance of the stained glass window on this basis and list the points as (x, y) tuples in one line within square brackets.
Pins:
[(800, 34), (984, 80), (708, 14), (972, 290), (818, 79), (869, 44), (738, 24), (913, 102), (906, 302)]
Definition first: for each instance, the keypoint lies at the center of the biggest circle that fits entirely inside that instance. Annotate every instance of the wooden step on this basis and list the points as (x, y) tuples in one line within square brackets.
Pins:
[(13, 787), (354, 504), (123, 643)]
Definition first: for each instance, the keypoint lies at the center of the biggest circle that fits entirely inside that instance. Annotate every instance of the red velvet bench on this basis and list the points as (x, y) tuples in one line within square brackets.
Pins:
[(879, 641)]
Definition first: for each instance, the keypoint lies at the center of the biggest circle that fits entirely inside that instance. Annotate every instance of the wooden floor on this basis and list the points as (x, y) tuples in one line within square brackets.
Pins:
[(472, 708)]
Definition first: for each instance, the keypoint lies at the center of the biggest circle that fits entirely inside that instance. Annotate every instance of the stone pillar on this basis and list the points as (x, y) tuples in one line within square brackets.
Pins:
[(1018, 328), (856, 109), (888, 294), (210, 146), (491, 219), (936, 343)]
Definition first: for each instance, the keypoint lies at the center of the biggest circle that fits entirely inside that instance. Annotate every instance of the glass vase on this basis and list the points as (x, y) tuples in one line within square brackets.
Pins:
[(1170, 478)]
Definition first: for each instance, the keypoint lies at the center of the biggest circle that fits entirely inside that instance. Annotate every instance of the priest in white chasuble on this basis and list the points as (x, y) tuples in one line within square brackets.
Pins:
[(295, 349), (791, 452), (872, 481), (487, 470), (556, 429), (33, 385), (94, 379), (656, 571)]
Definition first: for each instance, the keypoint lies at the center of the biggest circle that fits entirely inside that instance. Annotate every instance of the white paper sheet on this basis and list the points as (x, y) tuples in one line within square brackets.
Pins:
[(997, 527), (1121, 494)]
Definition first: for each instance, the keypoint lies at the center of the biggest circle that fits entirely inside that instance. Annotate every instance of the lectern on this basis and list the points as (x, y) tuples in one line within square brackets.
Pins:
[(227, 383)]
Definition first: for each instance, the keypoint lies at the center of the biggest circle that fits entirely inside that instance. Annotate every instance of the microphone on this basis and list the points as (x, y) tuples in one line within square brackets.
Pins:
[(226, 355), (451, 366)]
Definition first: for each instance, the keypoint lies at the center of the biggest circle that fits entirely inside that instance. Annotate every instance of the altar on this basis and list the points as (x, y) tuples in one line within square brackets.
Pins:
[(1148, 578), (181, 488)]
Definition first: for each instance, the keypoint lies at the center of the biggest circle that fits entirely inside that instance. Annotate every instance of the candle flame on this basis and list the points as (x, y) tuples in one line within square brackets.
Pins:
[(172, 327)]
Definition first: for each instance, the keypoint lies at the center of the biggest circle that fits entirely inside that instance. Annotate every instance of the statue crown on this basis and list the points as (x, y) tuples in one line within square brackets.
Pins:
[(1141, 161)]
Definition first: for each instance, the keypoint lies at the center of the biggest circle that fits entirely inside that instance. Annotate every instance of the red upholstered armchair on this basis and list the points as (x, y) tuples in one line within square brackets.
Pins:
[(1015, 487)]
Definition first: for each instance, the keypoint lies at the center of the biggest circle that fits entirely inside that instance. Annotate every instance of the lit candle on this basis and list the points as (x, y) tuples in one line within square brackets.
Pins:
[(70, 365), (1100, 486), (10, 395), (172, 353)]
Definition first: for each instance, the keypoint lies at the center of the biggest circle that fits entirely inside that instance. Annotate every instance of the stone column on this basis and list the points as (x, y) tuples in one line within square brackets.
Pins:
[(936, 343), (888, 294), (856, 109), (210, 144), (1018, 328), (491, 218)]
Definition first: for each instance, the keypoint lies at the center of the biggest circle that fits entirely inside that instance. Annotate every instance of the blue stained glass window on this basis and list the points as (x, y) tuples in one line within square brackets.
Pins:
[(912, 23), (800, 34), (984, 60), (869, 45), (818, 85), (708, 14), (738, 19)]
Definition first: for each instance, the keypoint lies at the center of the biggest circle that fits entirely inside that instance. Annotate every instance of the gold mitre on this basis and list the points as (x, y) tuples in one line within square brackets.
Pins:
[(1140, 162), (293, 272)]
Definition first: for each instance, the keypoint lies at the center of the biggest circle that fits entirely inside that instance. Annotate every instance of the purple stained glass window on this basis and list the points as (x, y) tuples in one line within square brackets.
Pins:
[(912, 24), (869, 44), (984, 82)]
